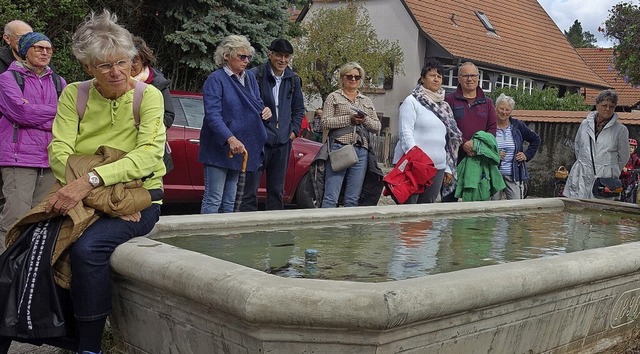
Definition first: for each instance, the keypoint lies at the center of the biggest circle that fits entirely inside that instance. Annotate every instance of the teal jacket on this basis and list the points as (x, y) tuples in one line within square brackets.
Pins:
[(479, 176)]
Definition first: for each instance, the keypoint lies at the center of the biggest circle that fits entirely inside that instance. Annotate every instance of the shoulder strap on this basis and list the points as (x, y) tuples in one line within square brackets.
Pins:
[(57, 82), (19, 79), (137, 100), (82, 98)]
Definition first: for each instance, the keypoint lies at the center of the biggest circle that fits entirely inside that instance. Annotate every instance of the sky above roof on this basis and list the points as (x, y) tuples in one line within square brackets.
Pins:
[(591, 14)]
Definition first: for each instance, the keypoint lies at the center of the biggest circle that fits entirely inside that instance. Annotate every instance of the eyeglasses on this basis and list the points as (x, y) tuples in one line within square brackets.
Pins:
[(244, 57), (469, 76), (353, 77), (120, 64), (40, 49)]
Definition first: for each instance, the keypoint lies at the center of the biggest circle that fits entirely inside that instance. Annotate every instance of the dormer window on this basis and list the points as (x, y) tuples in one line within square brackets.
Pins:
[(485, 21)]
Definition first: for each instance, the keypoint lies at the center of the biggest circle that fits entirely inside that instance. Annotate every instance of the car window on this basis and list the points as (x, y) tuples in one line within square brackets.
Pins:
[(189, 111), (179, 118)]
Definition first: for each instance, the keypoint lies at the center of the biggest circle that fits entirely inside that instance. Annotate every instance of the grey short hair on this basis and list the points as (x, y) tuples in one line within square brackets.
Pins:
[(348, 67), (506, 99), (607, 95), (466, 63), (230, 46), (100, 37)]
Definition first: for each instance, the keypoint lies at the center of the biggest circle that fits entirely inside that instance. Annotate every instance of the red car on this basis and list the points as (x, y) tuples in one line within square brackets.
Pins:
[(185, 183)]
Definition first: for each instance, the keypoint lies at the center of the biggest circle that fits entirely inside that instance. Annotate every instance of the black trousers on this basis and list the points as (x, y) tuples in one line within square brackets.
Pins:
[(276, 160)]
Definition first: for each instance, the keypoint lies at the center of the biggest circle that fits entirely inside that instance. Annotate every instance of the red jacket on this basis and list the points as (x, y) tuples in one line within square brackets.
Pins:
[(412, 174)]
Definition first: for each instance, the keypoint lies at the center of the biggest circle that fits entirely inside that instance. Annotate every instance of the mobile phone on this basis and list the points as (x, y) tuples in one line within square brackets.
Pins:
[(359, 111)]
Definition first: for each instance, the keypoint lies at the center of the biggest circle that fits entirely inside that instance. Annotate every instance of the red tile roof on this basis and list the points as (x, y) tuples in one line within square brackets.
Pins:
[(527, 41), (626, 118), (601, 62)]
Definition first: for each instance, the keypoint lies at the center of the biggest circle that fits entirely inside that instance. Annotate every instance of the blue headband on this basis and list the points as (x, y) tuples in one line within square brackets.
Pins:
[(28, 40)]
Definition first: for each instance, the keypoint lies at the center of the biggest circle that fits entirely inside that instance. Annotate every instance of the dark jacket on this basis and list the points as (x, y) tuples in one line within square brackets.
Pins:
[(480, 115), (522, 133), (162, 84), (291, 104), (6, 57)]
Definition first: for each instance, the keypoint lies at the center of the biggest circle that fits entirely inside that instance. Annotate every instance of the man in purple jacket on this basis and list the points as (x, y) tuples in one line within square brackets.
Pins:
[(472, 110)]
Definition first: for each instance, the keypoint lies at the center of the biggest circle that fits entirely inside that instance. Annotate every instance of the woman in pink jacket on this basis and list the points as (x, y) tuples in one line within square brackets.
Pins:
[(25, 127)]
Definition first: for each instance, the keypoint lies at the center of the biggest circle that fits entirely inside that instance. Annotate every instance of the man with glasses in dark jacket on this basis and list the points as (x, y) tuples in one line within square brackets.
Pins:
[(281, 91)]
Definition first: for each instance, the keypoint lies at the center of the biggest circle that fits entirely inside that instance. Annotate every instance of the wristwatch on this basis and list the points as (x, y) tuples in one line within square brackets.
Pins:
[(94, 180)]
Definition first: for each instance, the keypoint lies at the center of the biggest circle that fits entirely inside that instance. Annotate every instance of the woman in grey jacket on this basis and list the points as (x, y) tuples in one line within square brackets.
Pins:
[(601, 147)]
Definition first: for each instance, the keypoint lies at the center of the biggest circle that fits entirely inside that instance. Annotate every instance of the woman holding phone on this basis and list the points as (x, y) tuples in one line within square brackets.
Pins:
[(349, 116)]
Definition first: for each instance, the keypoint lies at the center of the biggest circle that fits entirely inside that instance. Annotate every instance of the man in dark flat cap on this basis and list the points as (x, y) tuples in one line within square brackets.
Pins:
[(281, 91)]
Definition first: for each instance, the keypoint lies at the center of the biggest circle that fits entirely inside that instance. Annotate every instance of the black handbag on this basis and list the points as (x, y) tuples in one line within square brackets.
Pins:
[(605, 187)]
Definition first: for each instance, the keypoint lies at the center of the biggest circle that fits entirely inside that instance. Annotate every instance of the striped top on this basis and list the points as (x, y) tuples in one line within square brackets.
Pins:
[(506, 143)]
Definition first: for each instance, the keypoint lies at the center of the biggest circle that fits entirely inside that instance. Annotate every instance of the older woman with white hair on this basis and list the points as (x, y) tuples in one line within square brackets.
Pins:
[(511, 135), (340, 118), (601, 147), (233, 115), (106, 50)]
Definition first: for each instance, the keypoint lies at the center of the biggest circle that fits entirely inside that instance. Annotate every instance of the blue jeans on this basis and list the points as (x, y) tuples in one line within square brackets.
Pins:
[(91, 280), (354, 176), (220, 186)]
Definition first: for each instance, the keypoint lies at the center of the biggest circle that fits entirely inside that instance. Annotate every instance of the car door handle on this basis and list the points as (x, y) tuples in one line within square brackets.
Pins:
[(195, 141)]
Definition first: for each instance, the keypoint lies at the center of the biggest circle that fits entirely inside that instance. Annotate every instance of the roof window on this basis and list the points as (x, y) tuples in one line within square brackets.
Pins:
[(485, 21)]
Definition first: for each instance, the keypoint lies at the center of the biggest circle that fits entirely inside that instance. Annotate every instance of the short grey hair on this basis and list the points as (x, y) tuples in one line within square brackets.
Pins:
[(506, 99), (230, 46), (348, 67), (100, 37), (607, 95), (468, 63)]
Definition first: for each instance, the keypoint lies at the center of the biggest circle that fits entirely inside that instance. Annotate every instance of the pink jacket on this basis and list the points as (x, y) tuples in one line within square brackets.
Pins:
[(25, 126)]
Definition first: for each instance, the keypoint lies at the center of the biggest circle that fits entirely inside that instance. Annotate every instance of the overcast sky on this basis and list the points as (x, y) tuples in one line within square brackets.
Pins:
[(590, 13)]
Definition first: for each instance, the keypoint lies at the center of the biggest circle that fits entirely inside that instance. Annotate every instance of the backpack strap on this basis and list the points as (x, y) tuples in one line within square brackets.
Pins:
[(82, 99), (137, 100), (57, 82), (19, 79)]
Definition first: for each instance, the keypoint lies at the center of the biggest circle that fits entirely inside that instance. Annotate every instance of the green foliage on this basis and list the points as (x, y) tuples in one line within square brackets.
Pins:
[(579, 38), (335, 36), (623, 25), (183, 34), (546, 99), (56, 19)]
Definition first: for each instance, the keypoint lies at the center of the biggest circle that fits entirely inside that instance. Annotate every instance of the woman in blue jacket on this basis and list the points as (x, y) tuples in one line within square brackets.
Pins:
[(511, 135), (232, 126)]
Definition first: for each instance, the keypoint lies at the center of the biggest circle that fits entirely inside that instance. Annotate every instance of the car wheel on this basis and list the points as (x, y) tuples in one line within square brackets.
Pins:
[(305, 196)]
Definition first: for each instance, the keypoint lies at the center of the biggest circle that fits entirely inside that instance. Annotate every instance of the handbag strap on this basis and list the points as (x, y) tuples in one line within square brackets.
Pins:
[(592, 159), (339, 132)]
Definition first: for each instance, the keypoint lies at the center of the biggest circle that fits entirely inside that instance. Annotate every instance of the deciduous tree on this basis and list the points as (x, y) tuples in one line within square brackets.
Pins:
[(335, 36), (623, 25)]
